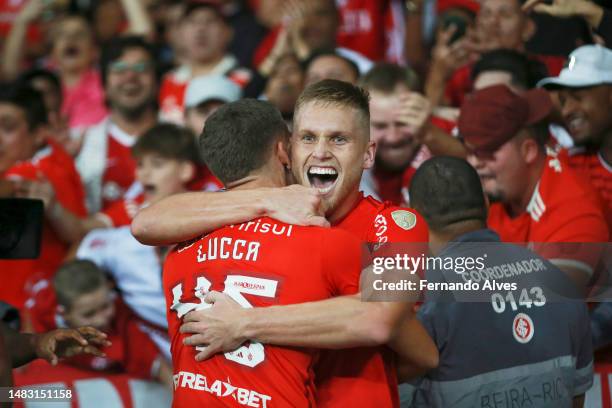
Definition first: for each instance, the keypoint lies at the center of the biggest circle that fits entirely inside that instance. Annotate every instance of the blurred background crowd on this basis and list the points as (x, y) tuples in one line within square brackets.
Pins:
[(101, 100)]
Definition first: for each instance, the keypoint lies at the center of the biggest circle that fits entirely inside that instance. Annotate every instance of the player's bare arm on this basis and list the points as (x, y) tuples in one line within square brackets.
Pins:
[(185, 216), (337, 323)]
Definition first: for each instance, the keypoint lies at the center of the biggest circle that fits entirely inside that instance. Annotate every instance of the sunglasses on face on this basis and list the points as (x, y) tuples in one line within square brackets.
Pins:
[(119, 67)]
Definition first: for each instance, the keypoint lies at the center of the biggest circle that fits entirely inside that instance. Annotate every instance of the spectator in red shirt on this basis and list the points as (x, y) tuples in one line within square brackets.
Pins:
[(80, 295), (536, 196), (206, 36), (309, 25), (499, 24), (104, 161), (584, 91), (28, 157), (400, 126)]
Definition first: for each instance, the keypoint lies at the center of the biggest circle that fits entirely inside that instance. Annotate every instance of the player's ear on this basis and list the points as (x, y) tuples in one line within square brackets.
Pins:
[(369, 155), (282, 152), (187, 172)]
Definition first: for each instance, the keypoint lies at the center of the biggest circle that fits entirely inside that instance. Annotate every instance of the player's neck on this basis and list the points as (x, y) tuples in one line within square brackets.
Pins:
[(344, 207), (438, 240), (253, 182)]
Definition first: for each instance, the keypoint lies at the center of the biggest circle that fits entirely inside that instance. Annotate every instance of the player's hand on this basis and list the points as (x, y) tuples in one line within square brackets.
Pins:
[(414, 111), (296, 205), (40, 189), (216, 329), (62, 343)]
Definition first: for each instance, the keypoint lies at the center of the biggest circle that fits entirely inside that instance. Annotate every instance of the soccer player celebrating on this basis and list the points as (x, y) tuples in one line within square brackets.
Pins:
[(330, 148), (253, 261)]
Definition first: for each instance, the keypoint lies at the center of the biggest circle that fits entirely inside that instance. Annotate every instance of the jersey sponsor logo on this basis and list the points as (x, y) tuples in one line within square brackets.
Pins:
[(404, 219), (522, 328), (221, 389)]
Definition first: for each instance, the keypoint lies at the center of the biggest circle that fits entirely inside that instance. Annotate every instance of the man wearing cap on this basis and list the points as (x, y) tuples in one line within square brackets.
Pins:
[(204, 95), (535, 195), (584, 90)]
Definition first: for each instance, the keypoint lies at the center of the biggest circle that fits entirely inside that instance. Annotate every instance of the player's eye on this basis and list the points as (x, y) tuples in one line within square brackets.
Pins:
[(307, 138), (339, 139)]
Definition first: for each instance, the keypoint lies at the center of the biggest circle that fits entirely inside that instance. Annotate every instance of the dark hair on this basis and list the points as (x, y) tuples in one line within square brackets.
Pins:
[(540, 133), (525, 71), (169, 141), (324, 52), (239, 137), (339, 93), (447, 190), (40, 73), (385, 77), (193, 6), (77, 278), (118, 46), (29, 100)]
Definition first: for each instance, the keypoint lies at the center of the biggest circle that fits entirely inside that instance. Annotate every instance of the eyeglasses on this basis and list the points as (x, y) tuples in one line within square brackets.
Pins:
[(120, 67), (482, 154)]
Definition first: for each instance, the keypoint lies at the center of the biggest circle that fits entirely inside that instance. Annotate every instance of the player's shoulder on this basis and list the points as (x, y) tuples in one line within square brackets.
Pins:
[(401, 218)]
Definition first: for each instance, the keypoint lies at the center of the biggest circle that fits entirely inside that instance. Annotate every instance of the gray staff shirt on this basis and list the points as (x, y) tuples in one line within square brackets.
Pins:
[(519, 351)]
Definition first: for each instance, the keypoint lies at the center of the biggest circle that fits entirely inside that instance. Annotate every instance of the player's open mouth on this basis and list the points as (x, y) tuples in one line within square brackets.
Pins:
[(322, 178)]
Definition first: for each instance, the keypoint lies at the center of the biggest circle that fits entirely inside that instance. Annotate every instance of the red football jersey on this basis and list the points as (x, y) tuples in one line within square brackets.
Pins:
[(259, 263), (54, 164), (131, 351), (365, 377), (120, 169), (174, 85), (597, 171), (563, 208)]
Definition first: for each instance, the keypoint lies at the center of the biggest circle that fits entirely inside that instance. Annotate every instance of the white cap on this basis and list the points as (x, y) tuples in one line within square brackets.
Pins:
[(211, 87), (588, 65)]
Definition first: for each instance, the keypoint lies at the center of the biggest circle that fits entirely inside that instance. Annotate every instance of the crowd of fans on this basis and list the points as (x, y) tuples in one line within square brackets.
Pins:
[(102, 101)]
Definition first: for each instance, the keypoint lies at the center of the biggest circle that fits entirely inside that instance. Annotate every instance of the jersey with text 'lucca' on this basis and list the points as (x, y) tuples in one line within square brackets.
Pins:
[(365, 377), (258, 263)]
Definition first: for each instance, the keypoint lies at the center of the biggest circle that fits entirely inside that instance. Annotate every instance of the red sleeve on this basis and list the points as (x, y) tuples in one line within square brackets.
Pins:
[(141, 353), (115, 215), (342, 261), (400, 231), (459, 85), (41, 306), (265, 47)]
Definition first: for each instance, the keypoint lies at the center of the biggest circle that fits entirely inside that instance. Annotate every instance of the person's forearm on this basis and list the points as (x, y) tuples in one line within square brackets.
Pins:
[(22, 346), (13, 50), (138, 18), (415, 44), (185, 216), (336, 323), (416, 350), (440, 143), (591, 12), (435, 85), (68, 226)]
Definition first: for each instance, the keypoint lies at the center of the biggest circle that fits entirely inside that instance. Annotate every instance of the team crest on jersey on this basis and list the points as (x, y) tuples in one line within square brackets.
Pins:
[(404, 219), (522, 328)]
